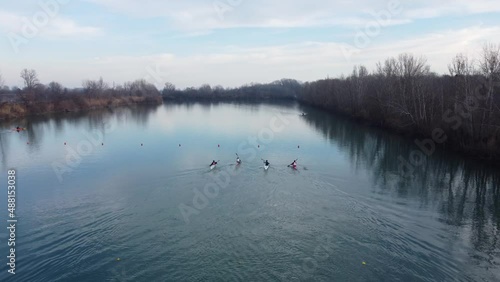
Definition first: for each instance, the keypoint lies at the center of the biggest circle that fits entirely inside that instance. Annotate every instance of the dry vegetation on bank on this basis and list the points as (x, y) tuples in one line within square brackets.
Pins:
[(36, 98)]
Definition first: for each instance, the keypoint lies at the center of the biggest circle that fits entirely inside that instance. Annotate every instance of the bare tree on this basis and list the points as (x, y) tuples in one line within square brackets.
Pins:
[(388, 69), (95, 88), (1, 81), (169, 86), (461, 65), (143, 88), (490, 61), (205, 89), (405, 86), (410, 66), (490, 67), (462, 71), (55, 88), (30, 79)]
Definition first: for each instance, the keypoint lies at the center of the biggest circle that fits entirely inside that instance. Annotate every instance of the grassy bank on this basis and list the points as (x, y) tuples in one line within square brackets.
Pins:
[(10, 110)]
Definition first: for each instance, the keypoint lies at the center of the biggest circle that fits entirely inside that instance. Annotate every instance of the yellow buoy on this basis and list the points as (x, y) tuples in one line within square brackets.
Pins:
[(118, 259), (364, 263)]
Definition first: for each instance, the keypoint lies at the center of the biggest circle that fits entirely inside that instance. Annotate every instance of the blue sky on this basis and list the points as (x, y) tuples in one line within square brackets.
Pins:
[(232, 42)]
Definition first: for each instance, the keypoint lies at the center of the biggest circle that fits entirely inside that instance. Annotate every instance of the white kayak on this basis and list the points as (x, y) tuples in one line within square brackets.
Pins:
[(266, 167), (212, 167)]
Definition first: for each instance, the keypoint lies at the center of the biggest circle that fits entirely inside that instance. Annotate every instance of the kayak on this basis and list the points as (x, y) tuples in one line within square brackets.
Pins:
[(266, 167), (214, 165), (238, 161)]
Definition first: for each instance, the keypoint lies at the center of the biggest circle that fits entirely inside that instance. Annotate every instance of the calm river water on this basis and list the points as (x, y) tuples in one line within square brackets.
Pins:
[(130, 197)]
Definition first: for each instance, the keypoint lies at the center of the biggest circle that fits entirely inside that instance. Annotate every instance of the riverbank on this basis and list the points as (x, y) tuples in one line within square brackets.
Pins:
[(425, 144), (13, 110)]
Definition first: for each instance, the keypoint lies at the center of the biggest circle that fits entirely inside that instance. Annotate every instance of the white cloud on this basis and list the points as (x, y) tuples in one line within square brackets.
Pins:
[(55, 27), (434, 9), (438, 47), (66, 27), (9, 19), (218, 14)]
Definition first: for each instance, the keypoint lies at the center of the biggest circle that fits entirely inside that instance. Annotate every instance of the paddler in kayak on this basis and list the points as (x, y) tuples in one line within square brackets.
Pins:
[(294, 164), (266, 163), (213, 163)]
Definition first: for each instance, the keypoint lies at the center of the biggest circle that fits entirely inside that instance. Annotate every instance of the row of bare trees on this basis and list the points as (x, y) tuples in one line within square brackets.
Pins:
[(279, 89), (138, 88), (403, 93), (34, 91), (38, 98)]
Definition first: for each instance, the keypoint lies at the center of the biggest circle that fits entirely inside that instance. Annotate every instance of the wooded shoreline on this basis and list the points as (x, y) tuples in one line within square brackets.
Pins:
[(36, 98)]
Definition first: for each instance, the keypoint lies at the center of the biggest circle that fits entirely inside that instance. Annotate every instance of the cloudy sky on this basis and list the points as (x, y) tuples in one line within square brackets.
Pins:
[(232, 42)]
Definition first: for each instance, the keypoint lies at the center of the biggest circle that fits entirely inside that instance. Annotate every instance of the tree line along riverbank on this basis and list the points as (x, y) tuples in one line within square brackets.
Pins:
[(36, 98), (459, 111)]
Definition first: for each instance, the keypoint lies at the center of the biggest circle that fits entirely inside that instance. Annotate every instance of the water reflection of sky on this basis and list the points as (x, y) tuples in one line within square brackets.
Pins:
[(450, 208)]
